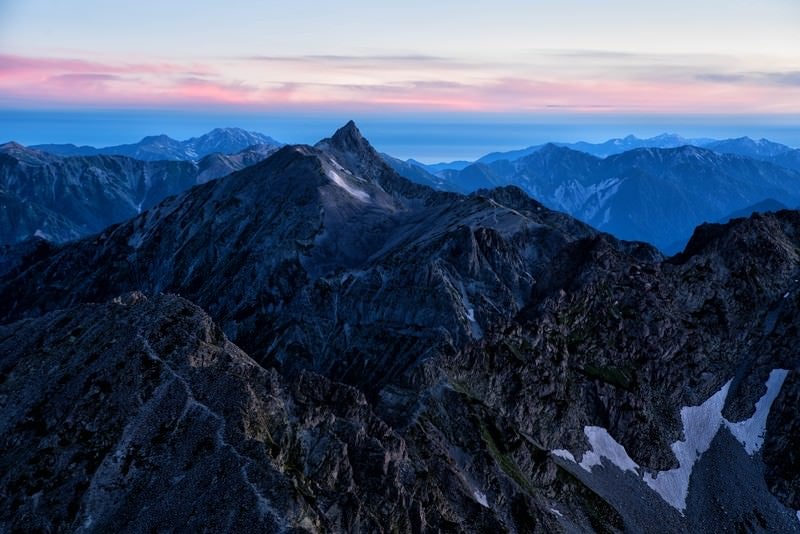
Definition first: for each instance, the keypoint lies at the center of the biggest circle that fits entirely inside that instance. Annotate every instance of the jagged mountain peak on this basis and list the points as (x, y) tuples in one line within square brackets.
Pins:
[(349, 139), (350, 132), (26, 154), (11, 145), (348, 148)]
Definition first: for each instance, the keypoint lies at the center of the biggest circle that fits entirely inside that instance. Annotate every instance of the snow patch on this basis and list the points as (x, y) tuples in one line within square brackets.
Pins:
[(750, 432), (563, 453), (605, 446), (481, 498), (700, 425), (556, 512), (475, 328), (337, 179)]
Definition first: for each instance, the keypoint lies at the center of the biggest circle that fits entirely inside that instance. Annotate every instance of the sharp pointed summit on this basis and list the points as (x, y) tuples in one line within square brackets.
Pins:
[(350, 149), (348, 139), (349, 133)]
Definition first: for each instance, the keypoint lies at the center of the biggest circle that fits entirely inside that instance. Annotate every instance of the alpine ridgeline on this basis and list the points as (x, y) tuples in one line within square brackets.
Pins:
[(353, 352)]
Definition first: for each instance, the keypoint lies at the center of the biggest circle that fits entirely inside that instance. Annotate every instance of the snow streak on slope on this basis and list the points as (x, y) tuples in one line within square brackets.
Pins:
[(337, 179)]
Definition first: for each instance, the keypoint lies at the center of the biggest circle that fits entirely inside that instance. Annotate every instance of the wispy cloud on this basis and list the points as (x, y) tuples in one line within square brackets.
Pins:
[(788, 79), (416, 58), (14, 64), (783, 78)]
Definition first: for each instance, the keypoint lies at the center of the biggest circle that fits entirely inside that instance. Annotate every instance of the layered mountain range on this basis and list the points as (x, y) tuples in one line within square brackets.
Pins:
[(657, 195), (317, 344)]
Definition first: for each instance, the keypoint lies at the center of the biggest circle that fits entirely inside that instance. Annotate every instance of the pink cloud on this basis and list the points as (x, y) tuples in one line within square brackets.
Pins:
[(11, 65), (50, 81)]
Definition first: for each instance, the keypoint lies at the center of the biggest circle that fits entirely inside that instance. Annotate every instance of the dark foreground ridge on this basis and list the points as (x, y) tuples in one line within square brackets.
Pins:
[(414, 361)]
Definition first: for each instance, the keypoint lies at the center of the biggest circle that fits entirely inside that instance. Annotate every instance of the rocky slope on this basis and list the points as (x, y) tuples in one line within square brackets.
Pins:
[(421, 361), (142, 405), (64, 198)]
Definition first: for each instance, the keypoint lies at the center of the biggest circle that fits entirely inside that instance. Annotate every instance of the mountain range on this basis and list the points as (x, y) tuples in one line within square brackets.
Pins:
[(652, 194), (317, 344), (163, 147), (657, 195), (63, 198), (761, 149), (606, 148)]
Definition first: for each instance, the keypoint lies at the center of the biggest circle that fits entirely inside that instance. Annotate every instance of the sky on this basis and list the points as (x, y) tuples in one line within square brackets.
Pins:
[(582, 68)]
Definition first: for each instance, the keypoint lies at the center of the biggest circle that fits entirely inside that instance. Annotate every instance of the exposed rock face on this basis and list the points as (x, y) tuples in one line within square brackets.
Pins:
[(422, 361), (130, 412)]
